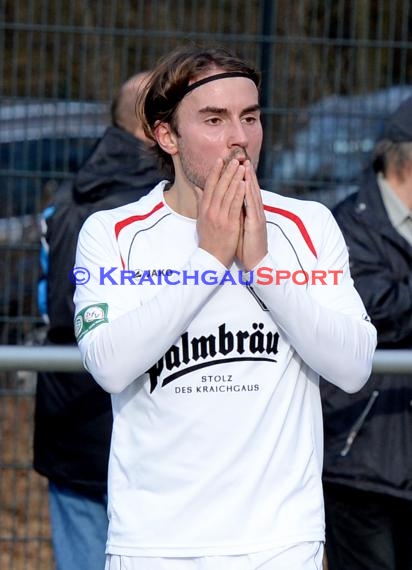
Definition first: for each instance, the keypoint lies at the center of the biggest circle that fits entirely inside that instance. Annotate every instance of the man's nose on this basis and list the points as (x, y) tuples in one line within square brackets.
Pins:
[(238, 135)]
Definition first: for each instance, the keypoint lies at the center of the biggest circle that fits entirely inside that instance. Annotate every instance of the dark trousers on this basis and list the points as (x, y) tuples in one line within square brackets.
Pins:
[(367, 531)]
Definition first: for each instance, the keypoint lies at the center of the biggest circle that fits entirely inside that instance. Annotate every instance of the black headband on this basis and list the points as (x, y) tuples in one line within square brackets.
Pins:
[(192, 86)]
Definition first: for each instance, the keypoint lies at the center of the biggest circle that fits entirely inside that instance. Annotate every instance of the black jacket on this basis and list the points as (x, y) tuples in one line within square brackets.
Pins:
[(73, 417), (380, 457)]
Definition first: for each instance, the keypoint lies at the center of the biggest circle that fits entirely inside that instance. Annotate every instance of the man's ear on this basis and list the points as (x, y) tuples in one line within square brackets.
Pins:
[(166, 138)]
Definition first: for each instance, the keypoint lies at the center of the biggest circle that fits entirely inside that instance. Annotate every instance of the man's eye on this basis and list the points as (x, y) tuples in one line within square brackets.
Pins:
[(249, 120), (213, 120)]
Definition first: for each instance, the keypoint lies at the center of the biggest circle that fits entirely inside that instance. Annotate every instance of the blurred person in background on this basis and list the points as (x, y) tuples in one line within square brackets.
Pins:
[(368, 435), (73, 416)]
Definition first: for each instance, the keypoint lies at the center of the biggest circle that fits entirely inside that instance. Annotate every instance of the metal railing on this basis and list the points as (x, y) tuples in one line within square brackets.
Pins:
[(67, 359)]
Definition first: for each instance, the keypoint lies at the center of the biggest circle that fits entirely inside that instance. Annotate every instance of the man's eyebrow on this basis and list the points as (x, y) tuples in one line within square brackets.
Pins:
[(223, 110), (215, 110), (251, 109)]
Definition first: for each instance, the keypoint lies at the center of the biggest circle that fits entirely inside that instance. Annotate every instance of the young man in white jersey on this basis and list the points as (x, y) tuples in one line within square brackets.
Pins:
[(216, 454)]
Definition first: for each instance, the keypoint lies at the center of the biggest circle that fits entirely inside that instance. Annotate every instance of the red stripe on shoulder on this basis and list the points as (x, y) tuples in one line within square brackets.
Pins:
[(294, 218), (120, 225)]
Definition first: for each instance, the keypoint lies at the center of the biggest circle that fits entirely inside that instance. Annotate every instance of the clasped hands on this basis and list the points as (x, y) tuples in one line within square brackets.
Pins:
[(231, 222)]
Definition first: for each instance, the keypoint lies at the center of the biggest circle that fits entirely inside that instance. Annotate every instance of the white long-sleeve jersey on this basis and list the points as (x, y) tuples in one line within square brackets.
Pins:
[(217, 435)]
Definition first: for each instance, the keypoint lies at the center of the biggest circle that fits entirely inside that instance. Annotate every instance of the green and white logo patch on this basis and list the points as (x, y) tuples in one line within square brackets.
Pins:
[(89, 318)]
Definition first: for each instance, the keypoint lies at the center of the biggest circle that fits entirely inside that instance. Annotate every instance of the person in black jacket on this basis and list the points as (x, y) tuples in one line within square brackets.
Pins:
[(368, 435), (73, 416)]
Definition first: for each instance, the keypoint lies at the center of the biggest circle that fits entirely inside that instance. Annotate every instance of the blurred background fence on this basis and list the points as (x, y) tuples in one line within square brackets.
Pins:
[(331, 72)]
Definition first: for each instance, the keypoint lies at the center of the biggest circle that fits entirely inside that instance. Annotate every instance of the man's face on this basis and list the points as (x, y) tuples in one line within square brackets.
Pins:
[(218, 119)]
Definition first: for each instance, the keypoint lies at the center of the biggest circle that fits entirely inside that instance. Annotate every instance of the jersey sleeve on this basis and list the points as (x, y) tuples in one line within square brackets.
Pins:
[(120, 336), (325, 321)]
